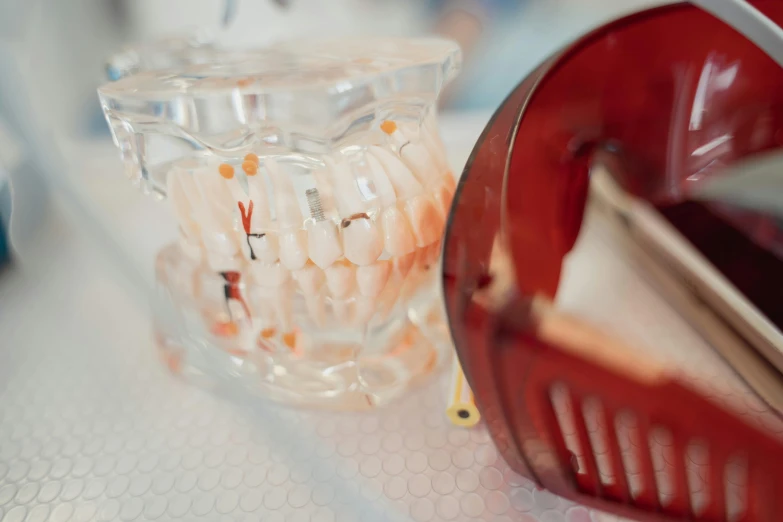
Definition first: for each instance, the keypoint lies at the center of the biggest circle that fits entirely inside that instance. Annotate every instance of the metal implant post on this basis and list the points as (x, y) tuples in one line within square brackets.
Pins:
[(314, 204)]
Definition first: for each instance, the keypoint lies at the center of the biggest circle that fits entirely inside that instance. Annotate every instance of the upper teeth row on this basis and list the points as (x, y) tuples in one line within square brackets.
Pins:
[(411, 190)]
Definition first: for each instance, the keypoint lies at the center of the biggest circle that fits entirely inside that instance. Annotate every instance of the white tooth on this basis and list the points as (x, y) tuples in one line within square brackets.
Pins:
[(383, 187), (436, 150), (398, 238), (208, 212), (258, 194), (421, 164), (191, 247), (316, 308), (416, 275), (364, 310), (443, 197), (403, 264), (323, 242), (343, 310), (219, 262), (371, 279), (293, 248), (433, 254), (218, 236), (292, 239), (349, 200), (270, 275), (260, 246), (425, 219), (288, 213), (238, 312), (451, 183), (422, 260), (362, 241), (282, 298), (221, 249), (323, 183), (388, 298), (310, 278), (201, 211), (402, 179), (230, 181), (413, 153), (323, 236), (216, 193), (423, 216), (340, 278), (263, 307), (259, 242)]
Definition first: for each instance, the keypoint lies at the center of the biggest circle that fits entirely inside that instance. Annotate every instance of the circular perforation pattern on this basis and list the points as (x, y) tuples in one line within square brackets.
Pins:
[(94, 429)]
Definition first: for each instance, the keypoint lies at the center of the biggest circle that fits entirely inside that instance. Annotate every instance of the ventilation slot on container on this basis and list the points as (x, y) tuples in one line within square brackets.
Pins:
[(620, 455), (662, 454), (698, 468), (571, 428), (626, 425), (593, 413), (590, 436), (735, 481)]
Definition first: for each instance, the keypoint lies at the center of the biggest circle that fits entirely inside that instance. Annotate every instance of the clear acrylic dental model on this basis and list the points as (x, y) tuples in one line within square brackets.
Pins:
[(311, 189)]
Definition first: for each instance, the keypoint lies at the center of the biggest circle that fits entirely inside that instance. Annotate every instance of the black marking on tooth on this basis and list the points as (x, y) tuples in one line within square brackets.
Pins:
[(253, 256), (347, 221)]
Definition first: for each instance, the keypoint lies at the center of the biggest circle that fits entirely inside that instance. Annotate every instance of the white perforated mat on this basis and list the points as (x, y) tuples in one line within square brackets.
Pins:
[(93, 428)]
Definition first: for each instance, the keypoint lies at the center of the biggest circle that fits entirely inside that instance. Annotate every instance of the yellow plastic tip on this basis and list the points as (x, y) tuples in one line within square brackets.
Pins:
[(463, 414), (226, 170), (388, 126)]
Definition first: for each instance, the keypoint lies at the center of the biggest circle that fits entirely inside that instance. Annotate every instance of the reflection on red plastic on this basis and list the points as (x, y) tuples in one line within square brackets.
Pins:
[(671, 95)]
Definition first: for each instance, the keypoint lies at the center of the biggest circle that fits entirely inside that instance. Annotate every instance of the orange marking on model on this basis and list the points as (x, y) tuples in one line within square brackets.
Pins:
[(252, 158), (388, 126), (250, 168), (289, 339), (225, 329), (226, 170), (267, 333)]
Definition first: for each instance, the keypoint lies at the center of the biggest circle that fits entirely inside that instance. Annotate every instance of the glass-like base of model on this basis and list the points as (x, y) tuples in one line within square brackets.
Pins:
[(311, 350)]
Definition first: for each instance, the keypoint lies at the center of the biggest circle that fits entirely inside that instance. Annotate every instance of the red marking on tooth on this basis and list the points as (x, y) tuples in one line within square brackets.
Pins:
[(246, 215)]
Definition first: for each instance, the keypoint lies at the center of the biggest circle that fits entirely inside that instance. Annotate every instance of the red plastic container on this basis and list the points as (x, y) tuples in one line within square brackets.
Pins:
[(652, 92)]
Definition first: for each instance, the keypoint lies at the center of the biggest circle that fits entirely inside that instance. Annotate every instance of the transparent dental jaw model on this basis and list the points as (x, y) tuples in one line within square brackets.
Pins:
[(311, 190)]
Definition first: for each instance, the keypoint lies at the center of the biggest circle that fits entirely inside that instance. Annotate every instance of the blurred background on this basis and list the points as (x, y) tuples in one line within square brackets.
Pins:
[(54, 143)]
